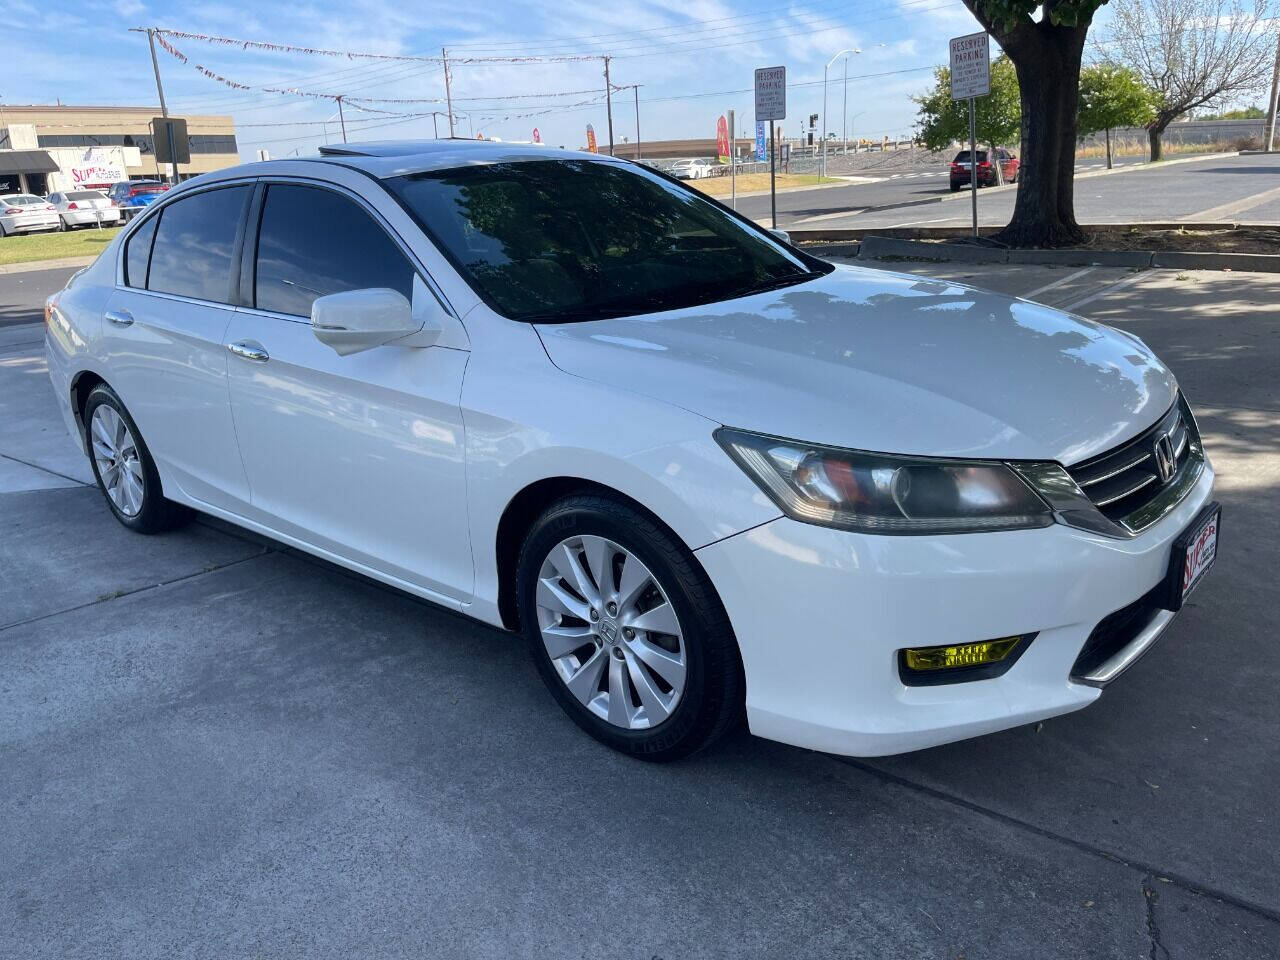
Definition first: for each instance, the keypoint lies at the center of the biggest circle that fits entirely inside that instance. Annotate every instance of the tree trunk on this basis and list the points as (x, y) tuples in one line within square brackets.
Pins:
[(1157, 148), (1047, 60), (1108, 148)]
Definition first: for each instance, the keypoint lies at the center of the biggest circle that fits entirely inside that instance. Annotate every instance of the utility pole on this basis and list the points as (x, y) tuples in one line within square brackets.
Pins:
[(608, 102), (164, 109), (636, 90), (435, 131), (448, 93), (844, 111), (1269, 140), (341, 119)]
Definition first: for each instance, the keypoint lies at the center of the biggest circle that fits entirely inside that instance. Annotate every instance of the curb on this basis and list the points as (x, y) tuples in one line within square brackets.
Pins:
[(848, 234), (31, 266), (879, 248)]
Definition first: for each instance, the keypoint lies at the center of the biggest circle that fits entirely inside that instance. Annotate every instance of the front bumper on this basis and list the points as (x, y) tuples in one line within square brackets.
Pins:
[(821, 613)]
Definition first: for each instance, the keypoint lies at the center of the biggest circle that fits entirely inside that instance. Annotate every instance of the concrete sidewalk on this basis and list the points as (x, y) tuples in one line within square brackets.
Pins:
[(212, 746)]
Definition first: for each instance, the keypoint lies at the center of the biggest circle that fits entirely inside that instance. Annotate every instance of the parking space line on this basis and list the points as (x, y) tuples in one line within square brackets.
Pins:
[(36, 466), (1109, 288), (1057, 283)]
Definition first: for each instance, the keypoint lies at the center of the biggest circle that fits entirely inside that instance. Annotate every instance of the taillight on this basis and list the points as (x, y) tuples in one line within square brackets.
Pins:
[(984, 163), (12, 210), (72, 206)]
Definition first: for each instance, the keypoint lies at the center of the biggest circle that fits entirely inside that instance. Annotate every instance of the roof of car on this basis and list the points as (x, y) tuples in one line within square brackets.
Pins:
[(396, 158), (393, 158)]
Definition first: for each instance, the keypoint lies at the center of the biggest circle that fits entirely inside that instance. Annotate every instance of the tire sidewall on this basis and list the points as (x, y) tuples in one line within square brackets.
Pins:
[(609, 520)]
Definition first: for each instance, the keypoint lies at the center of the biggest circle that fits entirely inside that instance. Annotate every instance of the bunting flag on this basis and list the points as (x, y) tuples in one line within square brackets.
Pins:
[(357, 55)]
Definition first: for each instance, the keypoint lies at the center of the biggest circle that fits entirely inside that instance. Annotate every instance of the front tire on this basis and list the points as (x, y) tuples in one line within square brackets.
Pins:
[(123, 466), (626, 629)]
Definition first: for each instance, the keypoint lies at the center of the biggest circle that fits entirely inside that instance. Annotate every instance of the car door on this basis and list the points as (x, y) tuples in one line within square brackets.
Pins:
[(359, 456), (163, 339)]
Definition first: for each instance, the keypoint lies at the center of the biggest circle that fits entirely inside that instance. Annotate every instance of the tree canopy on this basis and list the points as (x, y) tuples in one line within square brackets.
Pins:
[(943, 121), (1113, 96)]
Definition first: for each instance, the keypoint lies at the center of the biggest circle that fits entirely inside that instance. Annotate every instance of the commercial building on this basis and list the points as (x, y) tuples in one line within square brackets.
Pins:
[(48, 148)]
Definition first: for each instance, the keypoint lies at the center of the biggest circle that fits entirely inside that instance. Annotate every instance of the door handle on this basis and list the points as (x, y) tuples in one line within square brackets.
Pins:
[(249, 351), (121, 318)]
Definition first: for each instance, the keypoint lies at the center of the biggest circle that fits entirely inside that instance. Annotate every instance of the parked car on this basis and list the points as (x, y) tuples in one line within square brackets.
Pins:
[(25, 213), (691, 169), (697, 468), (79, 208), (960, 167), (134, 196)]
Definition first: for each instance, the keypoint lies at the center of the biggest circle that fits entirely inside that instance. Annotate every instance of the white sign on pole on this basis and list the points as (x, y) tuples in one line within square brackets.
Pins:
[(771, 93), (970, 66)]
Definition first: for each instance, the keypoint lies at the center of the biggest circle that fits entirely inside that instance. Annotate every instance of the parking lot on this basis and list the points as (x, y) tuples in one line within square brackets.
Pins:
[(214, 746)]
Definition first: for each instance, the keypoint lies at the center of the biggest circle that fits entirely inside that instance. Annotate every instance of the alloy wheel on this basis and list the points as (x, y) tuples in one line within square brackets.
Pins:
[(611, 633), (115, 452)]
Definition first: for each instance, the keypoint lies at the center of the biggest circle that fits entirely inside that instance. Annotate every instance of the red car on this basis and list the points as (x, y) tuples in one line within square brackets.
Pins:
[(986, 172)]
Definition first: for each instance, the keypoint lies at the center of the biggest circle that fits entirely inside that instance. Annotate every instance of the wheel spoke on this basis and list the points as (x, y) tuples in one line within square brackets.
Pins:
[(133, 492), (620, 710), (631, 582), (102, 435), (656, 704), (561, 641), (669, 666), (600, 561), (555, 597), (566, 563), (585, 683), (661, 619)]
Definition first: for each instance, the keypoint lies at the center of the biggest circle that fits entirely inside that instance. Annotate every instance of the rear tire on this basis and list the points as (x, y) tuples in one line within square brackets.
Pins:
[(655, 672), (124, 468)]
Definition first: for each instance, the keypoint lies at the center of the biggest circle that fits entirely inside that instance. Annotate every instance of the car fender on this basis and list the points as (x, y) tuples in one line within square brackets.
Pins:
[(527, 421)]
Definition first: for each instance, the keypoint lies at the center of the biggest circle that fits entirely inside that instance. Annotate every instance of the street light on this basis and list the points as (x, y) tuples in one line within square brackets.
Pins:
[(846, 54)]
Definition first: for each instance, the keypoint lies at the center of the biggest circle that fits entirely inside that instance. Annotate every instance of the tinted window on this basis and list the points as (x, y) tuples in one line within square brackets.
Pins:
[(314, 242), (195, 243), (138, 252), (559, 240)]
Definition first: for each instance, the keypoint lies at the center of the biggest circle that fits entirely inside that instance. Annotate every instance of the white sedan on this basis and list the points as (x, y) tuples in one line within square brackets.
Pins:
[(25, 213), (82, 208), (703, 473), (690, 169)]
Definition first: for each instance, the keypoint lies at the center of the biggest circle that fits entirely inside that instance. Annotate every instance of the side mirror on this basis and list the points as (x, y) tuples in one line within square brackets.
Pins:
[(358, 320), (781, 235)]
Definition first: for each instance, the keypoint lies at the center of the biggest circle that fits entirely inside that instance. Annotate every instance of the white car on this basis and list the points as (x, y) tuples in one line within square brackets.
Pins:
[(701, 471), (24, 213), (690, 169), (81, 208)]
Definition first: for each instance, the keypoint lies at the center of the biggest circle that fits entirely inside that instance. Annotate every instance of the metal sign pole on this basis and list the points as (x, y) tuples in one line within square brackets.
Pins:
[(733, 162), (973, 163), (773, 186)]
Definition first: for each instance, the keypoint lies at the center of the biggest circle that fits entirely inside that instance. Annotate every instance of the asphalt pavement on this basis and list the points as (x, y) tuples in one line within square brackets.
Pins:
[(1240, 188), (213, 746)]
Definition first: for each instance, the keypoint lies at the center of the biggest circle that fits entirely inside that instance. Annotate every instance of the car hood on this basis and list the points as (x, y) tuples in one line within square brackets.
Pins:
[(878, 361)]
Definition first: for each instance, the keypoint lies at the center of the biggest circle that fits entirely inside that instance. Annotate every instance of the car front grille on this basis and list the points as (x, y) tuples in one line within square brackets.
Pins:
[(1127, 480)]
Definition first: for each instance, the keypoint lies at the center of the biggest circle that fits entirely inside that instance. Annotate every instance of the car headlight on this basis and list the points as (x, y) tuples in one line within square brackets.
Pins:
[(884, 493)]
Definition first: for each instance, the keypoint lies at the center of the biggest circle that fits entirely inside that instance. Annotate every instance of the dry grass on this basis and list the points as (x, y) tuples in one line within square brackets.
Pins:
[(26, 248), (747, 182), (1130, 147)]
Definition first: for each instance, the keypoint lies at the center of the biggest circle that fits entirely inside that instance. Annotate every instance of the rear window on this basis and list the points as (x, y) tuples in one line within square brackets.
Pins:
[(963, 156), (84, 195), (194, 246), (22, 200), (138, 188)]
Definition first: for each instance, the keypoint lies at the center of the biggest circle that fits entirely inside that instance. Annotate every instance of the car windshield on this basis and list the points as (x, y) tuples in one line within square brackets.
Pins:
[(565, 240)]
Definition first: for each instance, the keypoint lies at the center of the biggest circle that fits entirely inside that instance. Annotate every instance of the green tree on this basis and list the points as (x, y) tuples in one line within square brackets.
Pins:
[(1113, 96), (1045, 40), (944, 121), (1243, 113)]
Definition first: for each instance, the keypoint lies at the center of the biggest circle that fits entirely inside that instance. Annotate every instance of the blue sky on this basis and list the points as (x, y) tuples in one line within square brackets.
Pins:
[(82, 53)]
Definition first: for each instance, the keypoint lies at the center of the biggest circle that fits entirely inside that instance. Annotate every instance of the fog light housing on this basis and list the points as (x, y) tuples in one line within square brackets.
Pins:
[(960, 662)]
